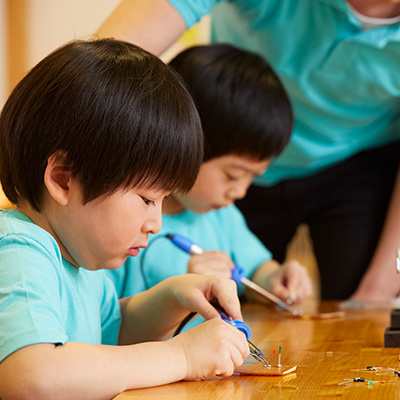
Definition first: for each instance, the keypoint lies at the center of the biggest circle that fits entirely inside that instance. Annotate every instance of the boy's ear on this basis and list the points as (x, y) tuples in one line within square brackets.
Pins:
[(57, 178)]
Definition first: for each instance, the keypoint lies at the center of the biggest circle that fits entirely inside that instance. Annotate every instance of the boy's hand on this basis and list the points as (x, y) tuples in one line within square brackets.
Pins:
[(195, 292), (212, 348), (290, 281), (211, 263)]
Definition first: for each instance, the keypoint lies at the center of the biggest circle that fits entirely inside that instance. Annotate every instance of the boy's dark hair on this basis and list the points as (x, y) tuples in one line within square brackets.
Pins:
[(119, 114), (243, 106)]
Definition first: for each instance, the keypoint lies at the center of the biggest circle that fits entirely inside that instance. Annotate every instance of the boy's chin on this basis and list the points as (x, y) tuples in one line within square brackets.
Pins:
[(203, 210), (112, 264)]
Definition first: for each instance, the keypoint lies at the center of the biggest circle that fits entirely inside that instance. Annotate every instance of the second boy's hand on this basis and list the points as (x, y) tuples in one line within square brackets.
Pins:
[(237, 273)]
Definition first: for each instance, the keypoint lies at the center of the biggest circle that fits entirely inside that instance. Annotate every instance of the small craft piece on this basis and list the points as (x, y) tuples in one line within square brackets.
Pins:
[(279, 359), (264, 370), (328, 315)]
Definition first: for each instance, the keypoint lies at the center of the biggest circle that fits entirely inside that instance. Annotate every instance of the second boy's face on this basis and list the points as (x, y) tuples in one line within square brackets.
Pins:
[(221, 181), (102, 234)]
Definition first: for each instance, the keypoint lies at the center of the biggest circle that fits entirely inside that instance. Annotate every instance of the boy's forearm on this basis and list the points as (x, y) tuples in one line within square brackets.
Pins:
[(150, 315), (76, 370), (157, 312)]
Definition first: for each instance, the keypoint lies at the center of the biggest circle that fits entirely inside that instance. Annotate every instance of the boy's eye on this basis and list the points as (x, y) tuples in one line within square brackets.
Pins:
[(147, 201), (232, 178)]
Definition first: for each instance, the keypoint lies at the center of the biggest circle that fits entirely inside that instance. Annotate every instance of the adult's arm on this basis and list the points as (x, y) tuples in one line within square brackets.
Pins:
[(381, 283), (151, 24)]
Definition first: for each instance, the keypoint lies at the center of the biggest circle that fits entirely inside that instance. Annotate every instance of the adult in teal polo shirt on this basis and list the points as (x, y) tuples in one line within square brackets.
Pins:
[(340, 63)]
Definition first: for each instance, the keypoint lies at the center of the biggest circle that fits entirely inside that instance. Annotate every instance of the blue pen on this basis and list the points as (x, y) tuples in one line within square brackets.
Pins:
[(237, 273)]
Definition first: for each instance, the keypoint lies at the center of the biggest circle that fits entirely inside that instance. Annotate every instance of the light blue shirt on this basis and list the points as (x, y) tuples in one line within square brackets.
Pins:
[(344, 83), (43, 298), (223, 230)]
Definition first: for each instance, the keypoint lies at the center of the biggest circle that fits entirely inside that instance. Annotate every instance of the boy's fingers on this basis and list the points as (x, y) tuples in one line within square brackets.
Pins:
[(208, 311), (282, 292), (226, 293)]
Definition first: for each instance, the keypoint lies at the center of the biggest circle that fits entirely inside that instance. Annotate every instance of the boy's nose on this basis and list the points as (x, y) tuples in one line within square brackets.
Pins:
[(153, 223), (239, 191), (241, 194)]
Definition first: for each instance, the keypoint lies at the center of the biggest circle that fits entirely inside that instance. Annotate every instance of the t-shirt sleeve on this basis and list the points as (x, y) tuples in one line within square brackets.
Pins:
[(193, 10), (30, 304), (247, 250)]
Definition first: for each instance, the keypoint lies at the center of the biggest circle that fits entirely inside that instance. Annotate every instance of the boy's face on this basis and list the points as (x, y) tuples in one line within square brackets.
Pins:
[(103, 233), (221, 181)]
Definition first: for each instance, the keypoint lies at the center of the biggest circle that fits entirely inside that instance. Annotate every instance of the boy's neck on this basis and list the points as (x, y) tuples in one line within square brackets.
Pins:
[(376, 8), (42, 221), (172, 206)]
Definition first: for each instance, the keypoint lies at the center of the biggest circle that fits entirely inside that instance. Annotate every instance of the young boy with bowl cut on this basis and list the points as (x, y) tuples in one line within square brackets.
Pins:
[(91, 141)]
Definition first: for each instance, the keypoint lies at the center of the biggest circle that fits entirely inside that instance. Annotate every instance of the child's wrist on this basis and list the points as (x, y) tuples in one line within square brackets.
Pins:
[(180, 356)]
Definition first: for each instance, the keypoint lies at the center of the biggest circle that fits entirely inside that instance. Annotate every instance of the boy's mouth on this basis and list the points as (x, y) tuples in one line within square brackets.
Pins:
[(219, 206), (133, 251)]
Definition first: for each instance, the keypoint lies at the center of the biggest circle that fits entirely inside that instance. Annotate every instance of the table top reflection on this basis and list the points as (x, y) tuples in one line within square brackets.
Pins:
[(326, 352)]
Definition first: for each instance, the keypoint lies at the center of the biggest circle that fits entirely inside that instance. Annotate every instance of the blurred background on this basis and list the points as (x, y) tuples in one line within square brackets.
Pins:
[(31, 29)]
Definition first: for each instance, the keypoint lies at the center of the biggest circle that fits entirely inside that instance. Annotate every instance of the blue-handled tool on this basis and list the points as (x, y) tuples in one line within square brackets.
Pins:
[(237, 273), (189, 247), (242, 327)]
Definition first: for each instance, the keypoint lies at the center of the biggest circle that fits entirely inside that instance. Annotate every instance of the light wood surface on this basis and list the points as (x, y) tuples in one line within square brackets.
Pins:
[(326, 352)]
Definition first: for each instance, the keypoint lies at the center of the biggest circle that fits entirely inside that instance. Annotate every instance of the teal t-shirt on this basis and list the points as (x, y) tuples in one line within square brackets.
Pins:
[(344, 83), (43, 298), (223, 230)]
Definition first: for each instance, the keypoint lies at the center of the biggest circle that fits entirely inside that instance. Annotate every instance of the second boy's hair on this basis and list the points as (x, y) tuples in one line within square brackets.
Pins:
[(115, 114), (243, 106)]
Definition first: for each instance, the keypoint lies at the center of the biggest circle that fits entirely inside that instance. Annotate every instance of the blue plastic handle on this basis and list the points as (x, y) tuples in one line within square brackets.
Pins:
[(186, 245), (180, 241), (237, 274), (237, 324)]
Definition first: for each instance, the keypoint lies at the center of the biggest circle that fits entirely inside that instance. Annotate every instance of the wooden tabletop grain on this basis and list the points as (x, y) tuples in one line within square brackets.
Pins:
[(326, 351)]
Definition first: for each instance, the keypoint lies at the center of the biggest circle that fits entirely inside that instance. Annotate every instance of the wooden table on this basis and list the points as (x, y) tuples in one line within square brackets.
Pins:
[(326, 352)]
